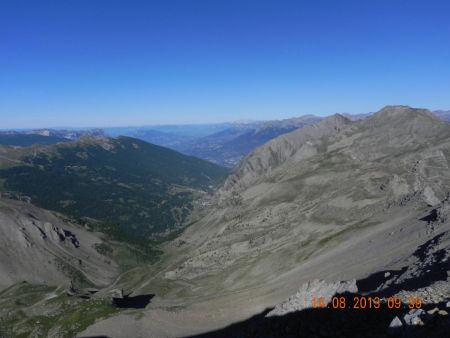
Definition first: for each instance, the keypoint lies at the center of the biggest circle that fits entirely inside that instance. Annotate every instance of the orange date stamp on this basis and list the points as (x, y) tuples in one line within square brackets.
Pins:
[(366, 302)]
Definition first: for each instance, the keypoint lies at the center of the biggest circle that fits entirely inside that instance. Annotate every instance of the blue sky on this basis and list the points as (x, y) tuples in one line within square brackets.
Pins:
[(112, 63)]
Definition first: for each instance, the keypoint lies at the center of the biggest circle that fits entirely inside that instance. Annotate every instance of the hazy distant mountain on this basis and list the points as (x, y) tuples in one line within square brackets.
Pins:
[(192, 130), (136, 189), (27, 138), (224, 143), (169, 140), (356, 117), (443, 114), (177, 137), (229, 146), (65, 133), (183, 131)]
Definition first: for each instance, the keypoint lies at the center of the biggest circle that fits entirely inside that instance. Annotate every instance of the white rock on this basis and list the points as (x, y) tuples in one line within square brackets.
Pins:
[(303, 299), (433, 311), (396, 322), (413, 317)]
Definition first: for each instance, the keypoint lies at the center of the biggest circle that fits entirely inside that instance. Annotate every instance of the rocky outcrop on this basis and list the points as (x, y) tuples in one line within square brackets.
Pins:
[(38, 247), (316, 289)]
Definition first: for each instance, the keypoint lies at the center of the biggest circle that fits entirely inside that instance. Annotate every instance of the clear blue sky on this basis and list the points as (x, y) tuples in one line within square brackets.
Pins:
[(104, 63)]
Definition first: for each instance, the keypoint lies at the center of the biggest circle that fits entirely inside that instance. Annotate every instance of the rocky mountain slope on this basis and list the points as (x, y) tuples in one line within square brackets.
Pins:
[(338, 201), (295, 146), (38, 247), (322, 184)]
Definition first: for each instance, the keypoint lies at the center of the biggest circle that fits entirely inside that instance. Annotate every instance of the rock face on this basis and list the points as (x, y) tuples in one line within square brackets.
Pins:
[(315, 289), (38, 247)]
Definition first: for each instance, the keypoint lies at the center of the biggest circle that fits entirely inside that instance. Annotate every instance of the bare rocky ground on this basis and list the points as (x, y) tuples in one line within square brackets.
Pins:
[(41, 254), (338, 201), (38, 247)]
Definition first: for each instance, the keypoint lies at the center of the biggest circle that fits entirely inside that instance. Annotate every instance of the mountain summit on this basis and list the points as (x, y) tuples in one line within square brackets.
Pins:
[(406, 120)]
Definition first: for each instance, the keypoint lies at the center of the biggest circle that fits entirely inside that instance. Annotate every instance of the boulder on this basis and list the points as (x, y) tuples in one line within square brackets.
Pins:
[(433, 311), (413, 317), (317, 288), (395, 323)]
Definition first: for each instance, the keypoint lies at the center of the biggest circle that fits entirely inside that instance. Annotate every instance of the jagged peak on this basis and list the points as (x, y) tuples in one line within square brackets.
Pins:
[(336, 121), (339, 118)]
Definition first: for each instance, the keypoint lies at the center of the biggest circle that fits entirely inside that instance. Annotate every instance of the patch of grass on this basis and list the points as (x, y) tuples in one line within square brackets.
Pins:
[(104, 249), (26, 290), (60, 316), (2, 184), (324, 241), (75, 275), (77, 319)]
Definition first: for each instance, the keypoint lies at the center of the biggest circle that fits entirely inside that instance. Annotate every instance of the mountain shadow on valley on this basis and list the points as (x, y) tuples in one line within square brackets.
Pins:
[(432, 266), (136, 302), (329, 322)]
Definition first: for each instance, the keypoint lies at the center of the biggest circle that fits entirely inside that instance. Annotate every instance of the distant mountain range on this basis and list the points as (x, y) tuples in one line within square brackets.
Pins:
[(223, 143), (25, 140), (229, 146), (232, 141), (43, 136), (444, 115)]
